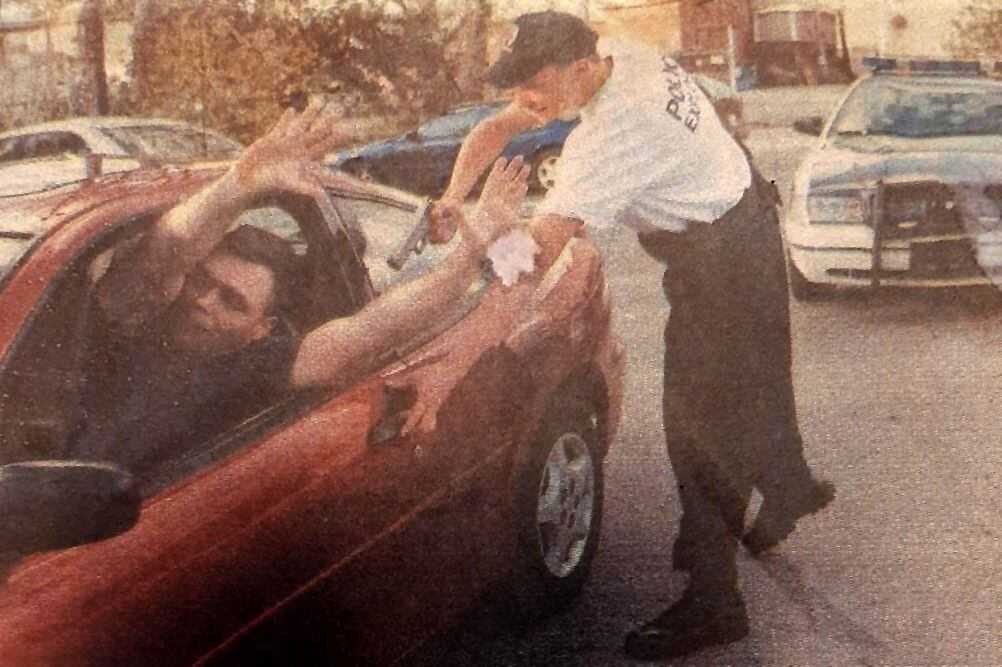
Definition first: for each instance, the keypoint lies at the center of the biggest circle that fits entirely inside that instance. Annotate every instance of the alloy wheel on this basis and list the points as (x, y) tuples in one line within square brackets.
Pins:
[(566, 504)]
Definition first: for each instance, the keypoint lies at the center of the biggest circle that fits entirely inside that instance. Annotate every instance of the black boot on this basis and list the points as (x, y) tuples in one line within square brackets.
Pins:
[(776, 520), (693, 623)]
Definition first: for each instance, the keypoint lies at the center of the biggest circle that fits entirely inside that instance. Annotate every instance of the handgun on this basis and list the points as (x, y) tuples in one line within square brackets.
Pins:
[(415, 241)]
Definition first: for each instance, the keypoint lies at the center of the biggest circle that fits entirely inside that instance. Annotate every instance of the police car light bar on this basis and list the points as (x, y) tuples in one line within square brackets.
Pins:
[(926, 66), (971, 67)]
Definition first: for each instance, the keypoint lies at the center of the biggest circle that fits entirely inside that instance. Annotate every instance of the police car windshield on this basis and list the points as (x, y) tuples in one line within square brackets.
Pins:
[(891, 106)]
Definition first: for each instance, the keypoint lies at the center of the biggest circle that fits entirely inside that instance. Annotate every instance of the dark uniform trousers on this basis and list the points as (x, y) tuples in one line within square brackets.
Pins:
[(729, 416)]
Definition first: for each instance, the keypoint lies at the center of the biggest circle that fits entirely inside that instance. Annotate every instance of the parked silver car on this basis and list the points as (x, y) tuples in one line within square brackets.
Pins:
[(49, 155)]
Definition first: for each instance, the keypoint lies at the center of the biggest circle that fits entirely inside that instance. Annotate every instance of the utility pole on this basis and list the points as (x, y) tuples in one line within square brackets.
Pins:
[(90, 35)]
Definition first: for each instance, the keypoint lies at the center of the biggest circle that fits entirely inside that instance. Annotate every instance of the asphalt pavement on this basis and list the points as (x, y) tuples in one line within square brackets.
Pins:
[(899, 395)]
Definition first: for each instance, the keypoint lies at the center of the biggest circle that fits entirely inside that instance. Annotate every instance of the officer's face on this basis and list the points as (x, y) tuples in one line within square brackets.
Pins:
[(556, 91)]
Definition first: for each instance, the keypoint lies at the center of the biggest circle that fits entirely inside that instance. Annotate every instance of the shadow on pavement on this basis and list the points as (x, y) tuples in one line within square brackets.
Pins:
[(819, 611)]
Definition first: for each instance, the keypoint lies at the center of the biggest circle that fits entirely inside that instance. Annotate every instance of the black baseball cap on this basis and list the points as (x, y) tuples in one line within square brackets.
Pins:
[(541, 39)]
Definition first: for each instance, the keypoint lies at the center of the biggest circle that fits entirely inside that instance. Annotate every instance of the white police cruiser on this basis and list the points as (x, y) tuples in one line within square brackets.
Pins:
[(904, 187)]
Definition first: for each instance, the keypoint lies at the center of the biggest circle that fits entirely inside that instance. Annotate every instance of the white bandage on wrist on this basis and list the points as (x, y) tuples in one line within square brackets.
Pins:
[(513, 254)]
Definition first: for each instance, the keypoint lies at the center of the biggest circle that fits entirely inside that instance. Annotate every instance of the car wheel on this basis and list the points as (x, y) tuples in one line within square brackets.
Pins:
[(800, 287), (544, 169), (558, 496)]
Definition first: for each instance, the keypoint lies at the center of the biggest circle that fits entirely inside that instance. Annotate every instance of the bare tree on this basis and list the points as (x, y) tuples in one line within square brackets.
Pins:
[(977, 32), (143, 25)]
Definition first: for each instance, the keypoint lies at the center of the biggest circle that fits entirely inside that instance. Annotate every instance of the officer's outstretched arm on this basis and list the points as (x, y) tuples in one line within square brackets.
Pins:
[(480, 148)]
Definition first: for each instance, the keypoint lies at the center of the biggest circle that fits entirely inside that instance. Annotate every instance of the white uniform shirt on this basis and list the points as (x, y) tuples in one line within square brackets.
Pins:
[(650, 151)]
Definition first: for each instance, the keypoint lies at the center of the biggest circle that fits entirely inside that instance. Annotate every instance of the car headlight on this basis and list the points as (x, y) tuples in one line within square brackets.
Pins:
[(849, 208)]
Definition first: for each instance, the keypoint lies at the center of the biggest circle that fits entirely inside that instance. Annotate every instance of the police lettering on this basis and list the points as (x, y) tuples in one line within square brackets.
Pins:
[(683, 102), (672, 109)]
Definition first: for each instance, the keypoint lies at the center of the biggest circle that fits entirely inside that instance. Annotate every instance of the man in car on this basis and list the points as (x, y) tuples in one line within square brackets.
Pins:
[(651, 154), (189, 337)]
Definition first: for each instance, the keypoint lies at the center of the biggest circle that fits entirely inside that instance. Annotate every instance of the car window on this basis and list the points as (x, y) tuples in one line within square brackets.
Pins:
[(921, 108), (173, 143), (277, 221), (52, 144), (386, 229), (457, 123), (71, 358), (41, 145)]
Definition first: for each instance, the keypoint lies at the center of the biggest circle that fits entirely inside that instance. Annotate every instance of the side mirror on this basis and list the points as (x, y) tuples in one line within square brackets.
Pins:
[(812, 125), (47, 505)]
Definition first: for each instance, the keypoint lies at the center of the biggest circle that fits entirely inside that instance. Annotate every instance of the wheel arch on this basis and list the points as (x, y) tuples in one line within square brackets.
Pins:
[(586, 383)]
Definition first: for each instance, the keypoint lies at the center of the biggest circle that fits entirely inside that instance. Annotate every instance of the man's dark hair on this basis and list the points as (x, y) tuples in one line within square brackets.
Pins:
[(254, 244), (541, 39)]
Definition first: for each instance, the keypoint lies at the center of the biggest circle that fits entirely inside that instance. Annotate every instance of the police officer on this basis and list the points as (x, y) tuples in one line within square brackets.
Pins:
[(651, 154)]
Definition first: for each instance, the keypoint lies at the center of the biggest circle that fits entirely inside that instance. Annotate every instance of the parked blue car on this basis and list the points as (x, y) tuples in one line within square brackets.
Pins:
[(422, 159)]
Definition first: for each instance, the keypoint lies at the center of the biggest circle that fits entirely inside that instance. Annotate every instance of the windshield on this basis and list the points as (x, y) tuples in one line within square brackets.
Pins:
[(921, 109), (386, 229), (457, 123), (173, 143)]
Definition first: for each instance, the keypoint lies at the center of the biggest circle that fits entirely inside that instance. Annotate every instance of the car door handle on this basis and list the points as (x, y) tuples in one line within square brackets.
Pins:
[(398, 402)]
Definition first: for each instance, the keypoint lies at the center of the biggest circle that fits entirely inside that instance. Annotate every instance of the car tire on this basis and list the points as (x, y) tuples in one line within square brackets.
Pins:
[(800, 287), (558, 497), (544, 166)]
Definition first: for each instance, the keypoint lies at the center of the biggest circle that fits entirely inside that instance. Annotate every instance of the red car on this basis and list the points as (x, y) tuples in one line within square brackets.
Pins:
[(350, 524)]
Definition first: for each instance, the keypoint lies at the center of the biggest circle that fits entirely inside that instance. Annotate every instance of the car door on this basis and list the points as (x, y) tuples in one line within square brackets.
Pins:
[(442, 482), (278, 514)]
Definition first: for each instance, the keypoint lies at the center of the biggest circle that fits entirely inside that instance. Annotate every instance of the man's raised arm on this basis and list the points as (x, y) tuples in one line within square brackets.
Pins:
[(152, 275), (341, 349)]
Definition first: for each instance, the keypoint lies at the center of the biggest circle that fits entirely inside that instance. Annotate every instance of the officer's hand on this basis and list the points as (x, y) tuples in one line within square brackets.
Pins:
[(443, 219)]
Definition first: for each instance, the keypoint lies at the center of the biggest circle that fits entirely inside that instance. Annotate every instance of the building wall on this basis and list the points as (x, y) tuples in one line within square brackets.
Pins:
[(891, 27), (658, 24), (705, 24), (922, 29)]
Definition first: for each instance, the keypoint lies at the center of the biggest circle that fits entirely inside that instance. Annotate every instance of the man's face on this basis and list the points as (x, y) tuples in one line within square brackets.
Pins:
[(224, 306), (556, 91)]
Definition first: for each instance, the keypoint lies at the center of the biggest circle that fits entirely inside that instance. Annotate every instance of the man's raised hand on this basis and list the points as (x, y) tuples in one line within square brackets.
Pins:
[(500, 201), (287, 156)]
